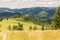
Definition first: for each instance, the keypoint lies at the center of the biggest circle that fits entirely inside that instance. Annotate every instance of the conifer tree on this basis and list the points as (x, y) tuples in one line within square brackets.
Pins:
[(9, 28), (20, 26), (30, 27), (56, 19)]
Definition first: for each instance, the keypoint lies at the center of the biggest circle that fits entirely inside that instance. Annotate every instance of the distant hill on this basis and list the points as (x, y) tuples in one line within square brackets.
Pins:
[(32, 10), (33, 13)]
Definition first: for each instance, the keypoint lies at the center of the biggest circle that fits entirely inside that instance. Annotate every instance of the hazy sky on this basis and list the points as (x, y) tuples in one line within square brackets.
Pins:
[(29, 3)]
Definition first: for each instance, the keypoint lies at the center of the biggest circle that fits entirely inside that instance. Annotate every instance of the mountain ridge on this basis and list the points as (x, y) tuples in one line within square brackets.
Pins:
[(32, 11)]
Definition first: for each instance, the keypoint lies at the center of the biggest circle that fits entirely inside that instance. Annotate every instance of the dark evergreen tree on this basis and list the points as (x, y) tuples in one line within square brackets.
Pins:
[(30, 27), (9, 27), (56, 19), (42, 28), (20, 26), (1, 19), (7, 18), (14, 27)]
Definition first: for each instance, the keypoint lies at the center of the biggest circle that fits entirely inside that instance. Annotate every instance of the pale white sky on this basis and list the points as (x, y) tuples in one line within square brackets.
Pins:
[(29, 3)]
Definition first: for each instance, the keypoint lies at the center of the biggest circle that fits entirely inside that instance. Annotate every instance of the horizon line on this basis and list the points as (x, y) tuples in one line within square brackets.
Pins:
[(21, 8)]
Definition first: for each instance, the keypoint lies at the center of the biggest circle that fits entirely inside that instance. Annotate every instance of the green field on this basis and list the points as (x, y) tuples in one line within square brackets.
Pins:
[(5, 24)]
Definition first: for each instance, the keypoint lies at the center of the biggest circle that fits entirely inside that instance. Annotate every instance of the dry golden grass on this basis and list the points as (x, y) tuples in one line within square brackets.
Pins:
[(33, 35), (1, 38), (51, 35)]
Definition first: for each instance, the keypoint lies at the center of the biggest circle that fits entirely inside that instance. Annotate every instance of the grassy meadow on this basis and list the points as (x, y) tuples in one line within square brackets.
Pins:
[(26, 35), (5, 24)]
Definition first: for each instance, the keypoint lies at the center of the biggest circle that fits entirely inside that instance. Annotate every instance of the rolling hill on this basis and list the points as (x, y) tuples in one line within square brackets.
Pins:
[(30, 16), (31, 11)]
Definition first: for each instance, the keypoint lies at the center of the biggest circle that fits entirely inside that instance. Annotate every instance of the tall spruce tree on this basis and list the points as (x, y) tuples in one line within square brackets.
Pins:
[(56, 19)]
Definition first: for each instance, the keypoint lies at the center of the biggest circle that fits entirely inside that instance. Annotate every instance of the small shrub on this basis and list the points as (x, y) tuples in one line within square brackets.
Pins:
[(30, 28)]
